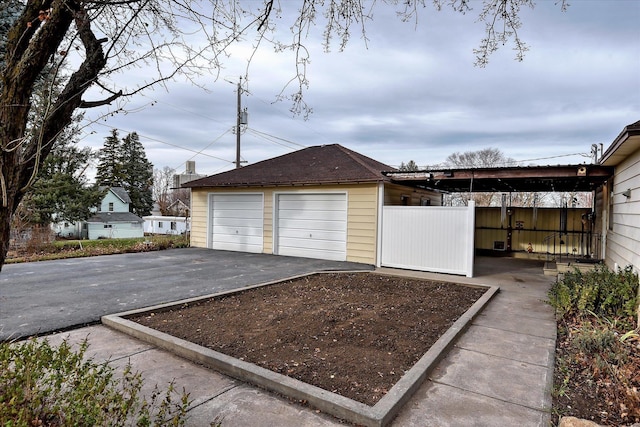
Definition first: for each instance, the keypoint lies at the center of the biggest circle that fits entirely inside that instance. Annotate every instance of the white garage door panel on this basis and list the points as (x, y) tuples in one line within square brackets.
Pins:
[(310, 244), (237, 222), (237, 214), (314, 215), (239, 232), (319, 204), (315, 253), (312, 225), (315, 234)]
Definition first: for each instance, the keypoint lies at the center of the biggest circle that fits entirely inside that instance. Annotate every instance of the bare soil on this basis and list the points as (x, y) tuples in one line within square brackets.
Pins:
[(354, 334)]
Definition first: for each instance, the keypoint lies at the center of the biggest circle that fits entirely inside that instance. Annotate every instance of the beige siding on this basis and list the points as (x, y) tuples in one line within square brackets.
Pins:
[(361, 216), (623, 237), (362, 224), (199, 215), (394, 195), (490, 229)]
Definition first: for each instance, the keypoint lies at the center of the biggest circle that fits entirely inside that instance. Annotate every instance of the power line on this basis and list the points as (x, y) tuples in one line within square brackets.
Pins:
[(184, 109), (200, 152), (170, 144), (272, 138), (553, 157)]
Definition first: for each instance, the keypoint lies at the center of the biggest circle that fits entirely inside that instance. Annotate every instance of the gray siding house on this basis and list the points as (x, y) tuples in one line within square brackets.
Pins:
[(113, 219)]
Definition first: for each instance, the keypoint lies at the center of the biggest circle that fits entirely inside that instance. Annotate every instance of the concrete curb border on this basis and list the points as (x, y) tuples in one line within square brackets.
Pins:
[(374, 416)]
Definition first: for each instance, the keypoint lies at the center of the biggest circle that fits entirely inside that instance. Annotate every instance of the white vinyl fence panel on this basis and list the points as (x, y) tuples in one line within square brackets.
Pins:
[(429, 238)]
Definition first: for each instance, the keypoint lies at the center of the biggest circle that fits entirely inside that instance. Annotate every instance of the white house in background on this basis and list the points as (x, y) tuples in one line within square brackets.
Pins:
[(113, 219), (157, 224), (621, 206), (69, 230)]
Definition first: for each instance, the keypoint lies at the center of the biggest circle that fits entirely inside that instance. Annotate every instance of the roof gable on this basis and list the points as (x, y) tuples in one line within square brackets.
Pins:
[(119, 192), (323, 164), (626, 143)]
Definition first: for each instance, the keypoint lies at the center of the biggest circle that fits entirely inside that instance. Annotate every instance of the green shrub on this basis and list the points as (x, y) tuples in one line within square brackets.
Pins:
[(57, 386), (607, 294)]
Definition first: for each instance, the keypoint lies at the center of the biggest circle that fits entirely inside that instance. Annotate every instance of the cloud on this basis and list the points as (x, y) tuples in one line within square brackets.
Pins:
[(411, 92)]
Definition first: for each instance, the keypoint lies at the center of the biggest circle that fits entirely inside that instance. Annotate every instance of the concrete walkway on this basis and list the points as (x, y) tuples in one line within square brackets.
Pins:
[(499, 373)]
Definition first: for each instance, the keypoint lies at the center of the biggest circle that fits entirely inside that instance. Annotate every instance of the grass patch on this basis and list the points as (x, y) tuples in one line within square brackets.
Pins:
[(63, 249)]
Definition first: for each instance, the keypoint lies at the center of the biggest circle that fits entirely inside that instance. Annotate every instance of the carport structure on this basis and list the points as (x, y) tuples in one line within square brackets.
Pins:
[(537, 230), (571, 178)]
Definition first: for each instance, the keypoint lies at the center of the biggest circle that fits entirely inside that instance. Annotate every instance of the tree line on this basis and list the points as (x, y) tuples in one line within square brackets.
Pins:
[(62, 192)]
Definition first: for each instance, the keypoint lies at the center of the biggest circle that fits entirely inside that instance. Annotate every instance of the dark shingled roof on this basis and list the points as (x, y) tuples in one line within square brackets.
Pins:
[(324, 164)]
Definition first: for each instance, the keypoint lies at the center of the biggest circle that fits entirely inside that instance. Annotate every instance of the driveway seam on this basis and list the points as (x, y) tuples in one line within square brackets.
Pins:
[(130, 355), (543, 365), (496, 328), (223, 391), (542, 410)]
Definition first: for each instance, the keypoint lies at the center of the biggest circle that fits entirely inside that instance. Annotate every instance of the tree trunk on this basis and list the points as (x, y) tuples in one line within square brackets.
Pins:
[(5, 223), (32, 46), (8, 204)]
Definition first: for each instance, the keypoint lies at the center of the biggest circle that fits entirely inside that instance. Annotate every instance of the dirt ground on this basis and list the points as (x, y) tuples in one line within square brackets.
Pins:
[(354, 334), (596, 385)]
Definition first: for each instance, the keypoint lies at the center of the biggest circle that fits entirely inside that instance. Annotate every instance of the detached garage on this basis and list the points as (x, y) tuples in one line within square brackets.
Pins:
[(321, 202)]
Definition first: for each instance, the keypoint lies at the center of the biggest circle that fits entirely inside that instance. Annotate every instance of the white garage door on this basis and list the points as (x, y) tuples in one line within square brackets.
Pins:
[(312, 225), (236, 222)]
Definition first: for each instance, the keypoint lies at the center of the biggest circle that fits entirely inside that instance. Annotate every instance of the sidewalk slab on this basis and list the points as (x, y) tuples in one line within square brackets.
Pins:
[(104, 343), (511, 345), (160, 368), (500, 378), (525, 305), (249, 406), (517, 322), (445, 406)]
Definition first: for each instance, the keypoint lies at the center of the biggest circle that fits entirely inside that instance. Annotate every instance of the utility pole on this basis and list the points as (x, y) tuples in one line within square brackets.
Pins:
[(241, 120)]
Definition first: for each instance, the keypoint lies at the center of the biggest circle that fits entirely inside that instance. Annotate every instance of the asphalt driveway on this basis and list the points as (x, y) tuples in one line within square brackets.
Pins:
[(49, 296)]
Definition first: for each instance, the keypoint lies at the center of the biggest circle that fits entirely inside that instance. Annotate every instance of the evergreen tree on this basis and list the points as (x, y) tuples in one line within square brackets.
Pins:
[(9, 12), (123, 163), (109, 169), (411, 166), (137, 174)]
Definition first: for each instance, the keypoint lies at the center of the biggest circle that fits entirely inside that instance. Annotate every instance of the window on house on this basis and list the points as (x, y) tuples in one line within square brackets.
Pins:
[(159, 224), (108, 226), (173, 225), (110, 206)]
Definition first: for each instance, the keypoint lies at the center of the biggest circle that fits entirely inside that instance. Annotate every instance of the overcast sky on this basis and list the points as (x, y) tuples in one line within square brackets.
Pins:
[(413, 94)]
